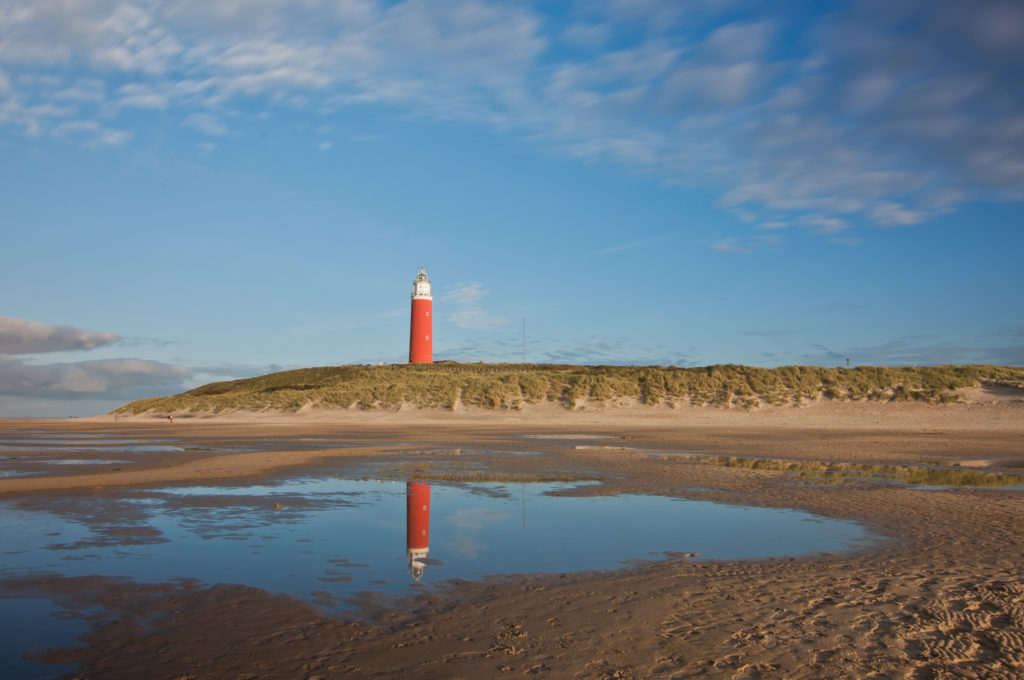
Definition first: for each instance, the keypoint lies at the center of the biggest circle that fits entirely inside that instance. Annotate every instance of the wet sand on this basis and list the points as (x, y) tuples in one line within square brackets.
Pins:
[(942, 597)]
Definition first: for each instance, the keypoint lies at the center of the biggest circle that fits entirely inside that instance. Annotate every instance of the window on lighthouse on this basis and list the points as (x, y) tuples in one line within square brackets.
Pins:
[(428, 313), (427, 337)]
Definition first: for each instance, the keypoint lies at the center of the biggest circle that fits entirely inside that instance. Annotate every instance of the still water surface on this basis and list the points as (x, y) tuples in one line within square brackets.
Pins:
[(324, 540)]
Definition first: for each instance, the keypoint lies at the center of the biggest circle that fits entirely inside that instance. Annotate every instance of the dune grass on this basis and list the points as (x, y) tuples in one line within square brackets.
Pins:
[(513, 386)]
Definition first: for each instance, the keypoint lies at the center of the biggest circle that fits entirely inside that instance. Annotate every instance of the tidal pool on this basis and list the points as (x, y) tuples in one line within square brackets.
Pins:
[(325, 540), (78, 447)]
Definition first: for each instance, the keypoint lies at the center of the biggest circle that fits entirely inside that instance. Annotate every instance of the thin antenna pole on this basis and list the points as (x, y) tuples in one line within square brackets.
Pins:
[(524, 339)]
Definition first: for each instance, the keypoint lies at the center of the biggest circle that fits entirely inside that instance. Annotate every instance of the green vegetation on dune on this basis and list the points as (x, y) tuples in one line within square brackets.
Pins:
[(511, 386)]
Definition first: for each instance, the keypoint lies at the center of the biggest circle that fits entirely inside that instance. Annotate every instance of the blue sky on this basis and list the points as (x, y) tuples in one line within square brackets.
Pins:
[(197, 191)]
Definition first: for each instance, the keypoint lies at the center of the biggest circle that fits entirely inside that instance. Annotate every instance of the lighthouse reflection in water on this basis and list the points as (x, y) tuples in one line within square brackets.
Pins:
[(417, 526)]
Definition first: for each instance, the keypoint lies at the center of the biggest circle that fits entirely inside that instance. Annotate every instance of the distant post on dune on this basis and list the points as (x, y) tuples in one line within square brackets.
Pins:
[(421, 344)]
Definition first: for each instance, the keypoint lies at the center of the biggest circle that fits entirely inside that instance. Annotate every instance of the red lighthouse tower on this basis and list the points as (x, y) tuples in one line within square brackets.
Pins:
[(417, 526), (421, 347)]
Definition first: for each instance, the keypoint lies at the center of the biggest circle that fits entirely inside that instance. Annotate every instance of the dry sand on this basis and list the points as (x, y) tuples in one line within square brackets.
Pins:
[(943, 597)]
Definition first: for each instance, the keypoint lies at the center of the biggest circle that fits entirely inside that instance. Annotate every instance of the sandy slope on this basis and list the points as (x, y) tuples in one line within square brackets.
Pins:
[(942, 598), (987, 407)]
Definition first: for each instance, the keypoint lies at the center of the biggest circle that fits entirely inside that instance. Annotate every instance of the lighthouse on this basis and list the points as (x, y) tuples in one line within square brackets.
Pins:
[(417, 526), (421, 346)]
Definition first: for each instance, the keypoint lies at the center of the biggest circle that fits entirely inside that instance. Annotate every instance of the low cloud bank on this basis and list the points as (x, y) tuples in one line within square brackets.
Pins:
[(114, 378), (109, 379), (18, 336)]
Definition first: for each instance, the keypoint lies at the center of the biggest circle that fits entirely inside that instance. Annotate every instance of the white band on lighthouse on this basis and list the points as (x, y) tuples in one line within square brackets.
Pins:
[(421, 287)]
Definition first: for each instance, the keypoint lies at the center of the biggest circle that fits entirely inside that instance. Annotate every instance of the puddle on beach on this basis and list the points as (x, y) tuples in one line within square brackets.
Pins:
[(30, 442), (29, 453), (286, 536), (73, 447), (326, 540), (569, 436)]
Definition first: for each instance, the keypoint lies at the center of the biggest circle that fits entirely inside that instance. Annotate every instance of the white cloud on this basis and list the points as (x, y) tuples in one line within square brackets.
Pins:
[(205, 122), (868, 91), (109, 377), (739, 42), (730, 245), (997, 28), (586, 35), (822, 224), (717, 85), (94, 134), (487, 42), (142, 96), (469, 293), (769, 239), (75, 126), (18, 336), (89, 90), (890, 214), (104, 33), (466, 298), (111, 138), (878, 105)]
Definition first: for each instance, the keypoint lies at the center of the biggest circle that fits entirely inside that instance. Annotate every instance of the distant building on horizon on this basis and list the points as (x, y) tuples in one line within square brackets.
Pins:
[(421, 344)]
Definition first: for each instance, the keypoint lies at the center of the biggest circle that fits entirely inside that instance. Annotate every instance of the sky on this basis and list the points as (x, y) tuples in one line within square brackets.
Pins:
[(194, 191)]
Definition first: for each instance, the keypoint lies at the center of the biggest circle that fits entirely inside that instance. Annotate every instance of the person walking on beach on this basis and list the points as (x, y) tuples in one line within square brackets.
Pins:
[(170, 419)]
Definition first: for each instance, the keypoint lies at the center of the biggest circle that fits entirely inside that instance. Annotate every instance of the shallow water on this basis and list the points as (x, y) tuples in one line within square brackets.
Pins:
[(1012, 487), (40, 623), (325, 540), (65, 441), (15, 473), (79, 447), (83, 461), (214, 533)]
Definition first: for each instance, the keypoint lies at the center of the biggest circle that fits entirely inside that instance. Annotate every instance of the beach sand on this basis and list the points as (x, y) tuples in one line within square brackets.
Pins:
[(942, 596)]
